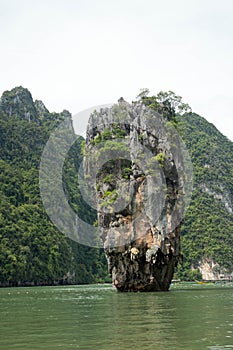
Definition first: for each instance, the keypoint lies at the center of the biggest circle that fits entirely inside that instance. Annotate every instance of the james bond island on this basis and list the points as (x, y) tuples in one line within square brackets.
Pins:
[(139, 170), (139, 179)]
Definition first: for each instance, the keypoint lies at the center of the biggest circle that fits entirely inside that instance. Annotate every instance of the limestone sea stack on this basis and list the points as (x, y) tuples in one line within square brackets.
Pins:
[(139, 177)]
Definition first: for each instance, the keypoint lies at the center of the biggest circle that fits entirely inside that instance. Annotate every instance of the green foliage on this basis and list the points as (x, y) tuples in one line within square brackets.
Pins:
[(110, 195), (32, 250), (160, 158), (126, 172), (115, 132), (166, 103), (106, 135), (83, 147), (114, 147), (140, 138), (109, 179), (208, 226), (108, 198), (152, 166), (120, 112), (185, 273)]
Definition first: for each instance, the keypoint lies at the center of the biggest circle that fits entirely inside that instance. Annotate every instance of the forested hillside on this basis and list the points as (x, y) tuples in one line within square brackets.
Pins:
[(207, 232), (32, 250)]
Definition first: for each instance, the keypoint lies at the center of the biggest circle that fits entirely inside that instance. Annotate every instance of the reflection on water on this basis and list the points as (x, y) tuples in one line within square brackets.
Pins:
[(97, 317)]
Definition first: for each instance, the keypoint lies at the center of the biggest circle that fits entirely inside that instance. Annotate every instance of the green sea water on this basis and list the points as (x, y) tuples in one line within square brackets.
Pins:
[(97, 317)]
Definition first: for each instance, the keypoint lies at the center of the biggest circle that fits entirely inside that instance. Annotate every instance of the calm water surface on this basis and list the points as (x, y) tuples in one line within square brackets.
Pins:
[(97, 317)]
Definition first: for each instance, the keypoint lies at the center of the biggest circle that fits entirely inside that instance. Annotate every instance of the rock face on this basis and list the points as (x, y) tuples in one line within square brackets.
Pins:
[(209, 270), (19, 102), (137, 169)]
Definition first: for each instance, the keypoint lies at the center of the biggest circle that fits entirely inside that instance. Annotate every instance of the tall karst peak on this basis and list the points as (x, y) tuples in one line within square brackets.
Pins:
[(140, 177), (18, 102)]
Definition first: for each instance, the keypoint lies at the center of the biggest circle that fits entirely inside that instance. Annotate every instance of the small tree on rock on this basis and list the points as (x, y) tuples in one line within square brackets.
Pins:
[(167, 103)]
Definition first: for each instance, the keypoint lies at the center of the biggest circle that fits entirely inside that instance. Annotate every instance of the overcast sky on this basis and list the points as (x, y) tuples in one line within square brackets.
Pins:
[(74, 54)]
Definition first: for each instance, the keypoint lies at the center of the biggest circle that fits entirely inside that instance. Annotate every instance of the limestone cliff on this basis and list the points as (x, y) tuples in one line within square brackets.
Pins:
[(139, 173)]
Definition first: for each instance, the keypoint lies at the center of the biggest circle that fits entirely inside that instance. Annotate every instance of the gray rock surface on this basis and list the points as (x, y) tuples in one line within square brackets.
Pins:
[(138, 170)]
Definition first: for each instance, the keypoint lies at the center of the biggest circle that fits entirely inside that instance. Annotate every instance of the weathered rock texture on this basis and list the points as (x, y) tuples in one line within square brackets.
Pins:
[(133, 162)]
